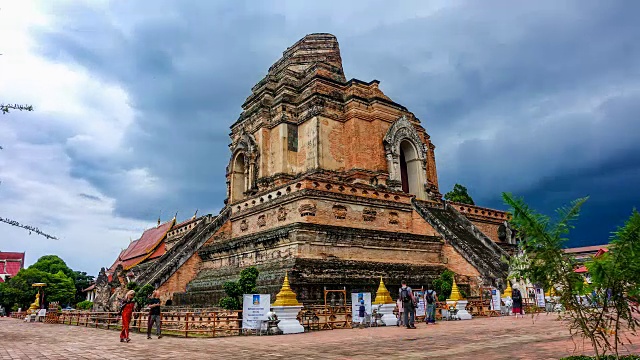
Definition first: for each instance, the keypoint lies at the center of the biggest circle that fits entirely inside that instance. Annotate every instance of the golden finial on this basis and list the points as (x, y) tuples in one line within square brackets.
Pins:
[(508, 291), (455, 293), (382, 295), (286, 296), (195, 214)]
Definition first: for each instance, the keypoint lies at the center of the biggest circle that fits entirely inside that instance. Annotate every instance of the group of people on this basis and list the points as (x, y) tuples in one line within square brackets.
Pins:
[(127, 306), (407, 305)]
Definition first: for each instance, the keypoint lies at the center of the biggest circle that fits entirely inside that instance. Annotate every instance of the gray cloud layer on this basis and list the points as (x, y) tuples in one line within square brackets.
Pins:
[(537, 98)]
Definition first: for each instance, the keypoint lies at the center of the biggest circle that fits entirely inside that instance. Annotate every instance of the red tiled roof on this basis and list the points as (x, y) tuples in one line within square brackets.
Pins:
[(93, 286), (160, 250), (601, 251), (11, 262), (150, 243), (593, 248), (581, 269)]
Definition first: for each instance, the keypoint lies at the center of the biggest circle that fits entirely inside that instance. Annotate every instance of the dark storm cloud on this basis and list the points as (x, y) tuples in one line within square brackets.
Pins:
[(518, 97)]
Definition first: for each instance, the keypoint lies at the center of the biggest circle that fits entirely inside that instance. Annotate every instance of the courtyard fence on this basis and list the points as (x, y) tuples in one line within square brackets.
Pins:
[(187, 324)]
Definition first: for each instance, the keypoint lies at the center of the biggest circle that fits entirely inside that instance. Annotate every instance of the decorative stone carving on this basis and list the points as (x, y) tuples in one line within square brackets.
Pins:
[(262, 221), (245, 143), (307, 209), (369, 214), (401, 130), (282, 213), (393, 218), (244, 226), (340, 212)]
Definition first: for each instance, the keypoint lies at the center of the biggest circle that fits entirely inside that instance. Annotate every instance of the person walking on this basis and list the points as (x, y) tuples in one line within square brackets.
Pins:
[(516, 297), (430, 297), (126, 310), (154, 314), (409, 305)]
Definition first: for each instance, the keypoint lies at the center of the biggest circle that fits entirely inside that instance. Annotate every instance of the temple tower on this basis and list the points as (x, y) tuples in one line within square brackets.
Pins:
[(335, 183)]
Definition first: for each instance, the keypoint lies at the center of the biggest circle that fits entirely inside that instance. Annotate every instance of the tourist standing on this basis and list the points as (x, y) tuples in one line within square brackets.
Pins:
[(400, 311), (154, 314), (126, 310), (362, 313), (516, 297), (409, 305), (430, 297)]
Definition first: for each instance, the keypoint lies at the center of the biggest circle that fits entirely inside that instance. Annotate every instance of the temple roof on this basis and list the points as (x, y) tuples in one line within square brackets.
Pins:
[(149, 246), (11, 263)]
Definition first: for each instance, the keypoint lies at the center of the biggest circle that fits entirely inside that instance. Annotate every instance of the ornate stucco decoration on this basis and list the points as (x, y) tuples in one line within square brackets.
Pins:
[(402, 130), (245, 144)]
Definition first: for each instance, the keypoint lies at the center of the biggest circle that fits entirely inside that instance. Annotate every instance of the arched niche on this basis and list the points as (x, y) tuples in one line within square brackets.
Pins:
[(238, 177), (406, 158), (243, 167)]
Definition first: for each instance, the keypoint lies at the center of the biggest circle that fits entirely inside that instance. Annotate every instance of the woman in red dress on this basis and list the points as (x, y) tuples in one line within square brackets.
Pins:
[(126, 309)]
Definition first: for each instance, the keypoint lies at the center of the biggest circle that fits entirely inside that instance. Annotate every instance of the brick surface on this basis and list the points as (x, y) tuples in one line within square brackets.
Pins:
[(481, 338)]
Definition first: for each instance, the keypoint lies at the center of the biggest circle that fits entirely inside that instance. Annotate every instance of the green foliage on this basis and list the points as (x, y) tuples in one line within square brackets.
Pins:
[(235, 289), (81, 281), (84, 305), (141, 298), (615, 276), (443, 284), (63, 284), (18, 292), (459, 194)]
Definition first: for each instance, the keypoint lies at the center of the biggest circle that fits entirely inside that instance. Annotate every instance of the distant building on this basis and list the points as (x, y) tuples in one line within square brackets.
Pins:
[(91, 292), (586, 252), (10, 264)]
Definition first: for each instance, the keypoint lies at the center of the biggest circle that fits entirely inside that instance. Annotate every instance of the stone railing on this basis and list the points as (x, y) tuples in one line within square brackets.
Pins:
[(471, 243), (171, 261), (480, 213)]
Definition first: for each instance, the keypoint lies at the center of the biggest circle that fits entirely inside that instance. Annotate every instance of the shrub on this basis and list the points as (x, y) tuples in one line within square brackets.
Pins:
[(235, 289), (84, 305)]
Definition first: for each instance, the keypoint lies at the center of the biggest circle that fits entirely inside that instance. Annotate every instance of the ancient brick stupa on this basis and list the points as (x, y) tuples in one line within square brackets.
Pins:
[(335, 183)]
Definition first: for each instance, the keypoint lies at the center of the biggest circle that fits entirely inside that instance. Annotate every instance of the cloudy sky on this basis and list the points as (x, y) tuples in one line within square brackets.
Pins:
[(134, 100)]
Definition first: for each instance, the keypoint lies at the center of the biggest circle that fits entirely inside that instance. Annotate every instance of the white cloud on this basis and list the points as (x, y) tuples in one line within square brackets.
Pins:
[(38, 187)]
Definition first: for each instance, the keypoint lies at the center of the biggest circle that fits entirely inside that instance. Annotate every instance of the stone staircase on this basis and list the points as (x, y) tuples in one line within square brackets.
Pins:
[(173, 259), (467, 239)]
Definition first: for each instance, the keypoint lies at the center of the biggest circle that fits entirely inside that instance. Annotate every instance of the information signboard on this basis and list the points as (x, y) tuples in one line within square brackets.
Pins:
[(255, 308), (355, 305), (495, 299)]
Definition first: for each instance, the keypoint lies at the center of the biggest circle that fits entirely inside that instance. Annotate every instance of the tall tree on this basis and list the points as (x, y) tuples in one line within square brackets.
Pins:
[(459, 194)]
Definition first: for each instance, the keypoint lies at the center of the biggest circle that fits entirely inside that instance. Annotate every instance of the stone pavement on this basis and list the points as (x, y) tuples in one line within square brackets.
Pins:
[(480, 338)]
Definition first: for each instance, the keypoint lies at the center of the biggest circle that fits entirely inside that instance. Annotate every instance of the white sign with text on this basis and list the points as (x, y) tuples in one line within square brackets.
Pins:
[(355, 305), (255, 308)]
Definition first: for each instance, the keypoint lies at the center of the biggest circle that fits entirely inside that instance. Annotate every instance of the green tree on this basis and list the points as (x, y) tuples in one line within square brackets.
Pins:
[(443, 284), (548, 266), (615, 283), (81, 281), (235, 289), (459, 194), (84, 305), (62, 285)]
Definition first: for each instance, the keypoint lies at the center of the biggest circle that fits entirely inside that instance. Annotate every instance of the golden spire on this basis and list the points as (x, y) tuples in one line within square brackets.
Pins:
[(508, 292), (455, 293), (195, 214), (286, 296), (382, 295)]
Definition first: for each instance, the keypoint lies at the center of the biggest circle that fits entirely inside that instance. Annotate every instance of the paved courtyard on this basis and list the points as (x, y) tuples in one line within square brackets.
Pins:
[(480, 338)]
